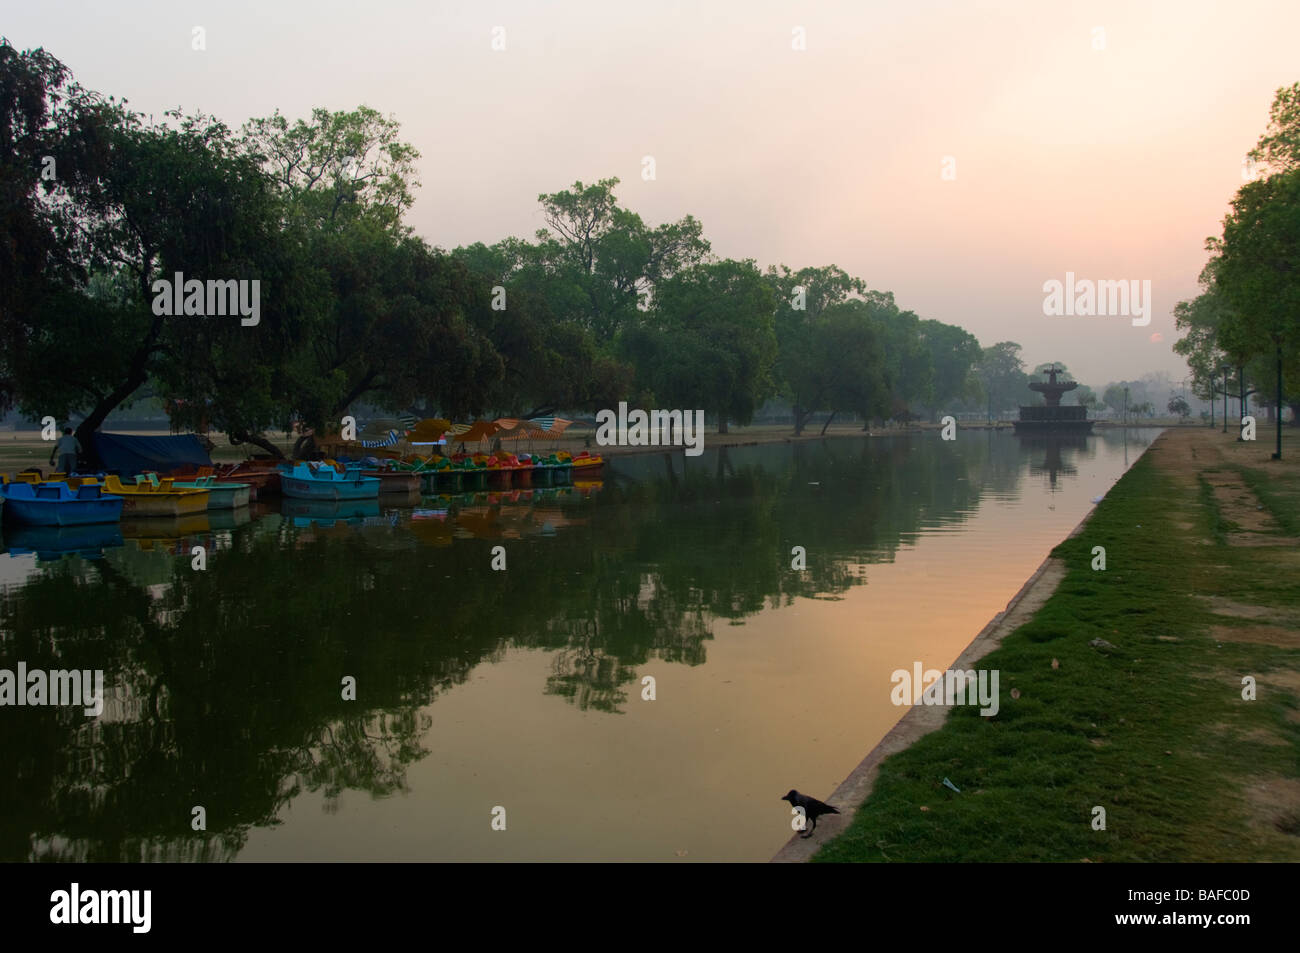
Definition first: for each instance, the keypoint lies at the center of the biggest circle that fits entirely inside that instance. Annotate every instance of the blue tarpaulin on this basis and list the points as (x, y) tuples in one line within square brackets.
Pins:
[(127, 454)]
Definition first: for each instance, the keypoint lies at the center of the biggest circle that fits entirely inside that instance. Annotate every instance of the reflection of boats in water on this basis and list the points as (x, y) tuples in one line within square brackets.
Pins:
[(329, 512), (508, 514), (432, 525), (55, 542), (149, 529), (229, 519), (174, 533)]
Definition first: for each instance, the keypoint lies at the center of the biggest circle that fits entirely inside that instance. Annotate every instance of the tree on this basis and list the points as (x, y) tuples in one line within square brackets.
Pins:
[(1257, 268), (337, 168), (167, 198), (839, 366), (1001, 372), (550, 357), (1179, 406), (953, 352), (1199, 321), (1279, 147), (801, 297), (709, 342), (608, 256), (53, 147), (911, 373), (852, 362)]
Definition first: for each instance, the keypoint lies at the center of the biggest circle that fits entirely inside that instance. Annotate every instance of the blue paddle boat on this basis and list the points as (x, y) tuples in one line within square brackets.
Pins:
[(308, 480), (57, 504)]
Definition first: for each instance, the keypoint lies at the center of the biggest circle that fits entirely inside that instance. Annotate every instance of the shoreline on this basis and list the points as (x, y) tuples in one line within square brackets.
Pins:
[(920, 720)]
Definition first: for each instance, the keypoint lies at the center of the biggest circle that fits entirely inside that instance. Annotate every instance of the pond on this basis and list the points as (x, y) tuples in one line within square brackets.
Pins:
[(503, 713)]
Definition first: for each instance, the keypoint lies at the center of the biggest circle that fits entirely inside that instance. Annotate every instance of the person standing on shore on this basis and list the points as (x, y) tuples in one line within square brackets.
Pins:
[(66, 450)]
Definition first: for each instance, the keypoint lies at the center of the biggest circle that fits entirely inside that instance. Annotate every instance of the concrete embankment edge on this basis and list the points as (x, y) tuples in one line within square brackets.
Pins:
[(920, 720)]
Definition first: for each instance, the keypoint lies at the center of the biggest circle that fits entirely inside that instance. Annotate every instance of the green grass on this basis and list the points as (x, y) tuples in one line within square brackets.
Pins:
[(1155, 732)]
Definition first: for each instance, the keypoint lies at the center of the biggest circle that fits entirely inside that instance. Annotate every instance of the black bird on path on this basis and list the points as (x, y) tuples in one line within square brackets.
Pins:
[(812, 808)]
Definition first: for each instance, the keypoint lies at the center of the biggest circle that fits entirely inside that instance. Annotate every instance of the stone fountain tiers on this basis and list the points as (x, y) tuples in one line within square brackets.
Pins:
[(1052, 417)]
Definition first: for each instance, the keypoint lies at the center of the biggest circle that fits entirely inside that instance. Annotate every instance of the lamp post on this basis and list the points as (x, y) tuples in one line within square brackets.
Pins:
[(1241, 397), (1277, 455), (1226, 368)]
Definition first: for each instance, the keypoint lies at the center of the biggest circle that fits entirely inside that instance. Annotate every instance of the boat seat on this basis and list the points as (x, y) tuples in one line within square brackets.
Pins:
[(148, 477), (48, 493), (88, 491)]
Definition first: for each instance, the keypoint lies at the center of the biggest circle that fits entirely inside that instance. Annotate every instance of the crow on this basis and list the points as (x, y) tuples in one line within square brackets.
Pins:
[(812, 808)]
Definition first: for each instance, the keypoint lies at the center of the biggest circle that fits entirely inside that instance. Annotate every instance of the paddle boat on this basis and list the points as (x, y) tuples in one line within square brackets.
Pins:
[(445, 479), (502, 468), (311, 480), (264, 480), (395, 481), (261, 482), (553, 470), (543, 473), (585, 466), (473, 472), (221, 496), (57, 504), (165, 499)]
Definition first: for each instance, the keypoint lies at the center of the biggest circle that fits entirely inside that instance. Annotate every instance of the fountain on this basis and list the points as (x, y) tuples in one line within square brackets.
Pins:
[(1052, 417)]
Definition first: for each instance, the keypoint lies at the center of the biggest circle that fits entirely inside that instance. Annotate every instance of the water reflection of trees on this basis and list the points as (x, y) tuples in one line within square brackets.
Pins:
[(228, 681)]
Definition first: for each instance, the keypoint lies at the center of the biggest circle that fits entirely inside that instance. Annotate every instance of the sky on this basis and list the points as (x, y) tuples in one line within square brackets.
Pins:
[(959, 155)]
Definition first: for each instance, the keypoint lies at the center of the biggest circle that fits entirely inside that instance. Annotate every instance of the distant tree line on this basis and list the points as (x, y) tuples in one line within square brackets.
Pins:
[(101, 204)]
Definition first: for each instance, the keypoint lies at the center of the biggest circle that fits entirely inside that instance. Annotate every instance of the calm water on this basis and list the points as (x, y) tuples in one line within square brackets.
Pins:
[(520, 688)]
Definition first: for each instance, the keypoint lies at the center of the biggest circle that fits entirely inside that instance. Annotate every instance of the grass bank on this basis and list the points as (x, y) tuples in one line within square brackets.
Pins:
[(1200, 589)]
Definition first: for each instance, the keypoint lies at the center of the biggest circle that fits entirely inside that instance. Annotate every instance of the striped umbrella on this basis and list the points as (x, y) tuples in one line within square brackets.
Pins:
[(391, 439)]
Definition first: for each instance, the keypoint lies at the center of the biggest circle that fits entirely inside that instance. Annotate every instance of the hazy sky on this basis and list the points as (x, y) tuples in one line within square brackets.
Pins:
[(1111, 163)]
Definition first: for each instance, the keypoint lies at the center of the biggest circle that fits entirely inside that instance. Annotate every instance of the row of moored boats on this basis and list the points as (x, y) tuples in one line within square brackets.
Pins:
[(31, 499)]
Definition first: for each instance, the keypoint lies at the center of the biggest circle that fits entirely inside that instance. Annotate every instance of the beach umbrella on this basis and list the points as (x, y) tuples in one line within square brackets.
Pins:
[(428, 432), (538, 428), (476, 432)]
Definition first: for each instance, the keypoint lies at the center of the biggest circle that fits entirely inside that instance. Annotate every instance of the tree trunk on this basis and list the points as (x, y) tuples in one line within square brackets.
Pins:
[(86, 429), (828, 422), (137, 373), (722, 424), (257, 440), (304, 446), (800, 420)]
